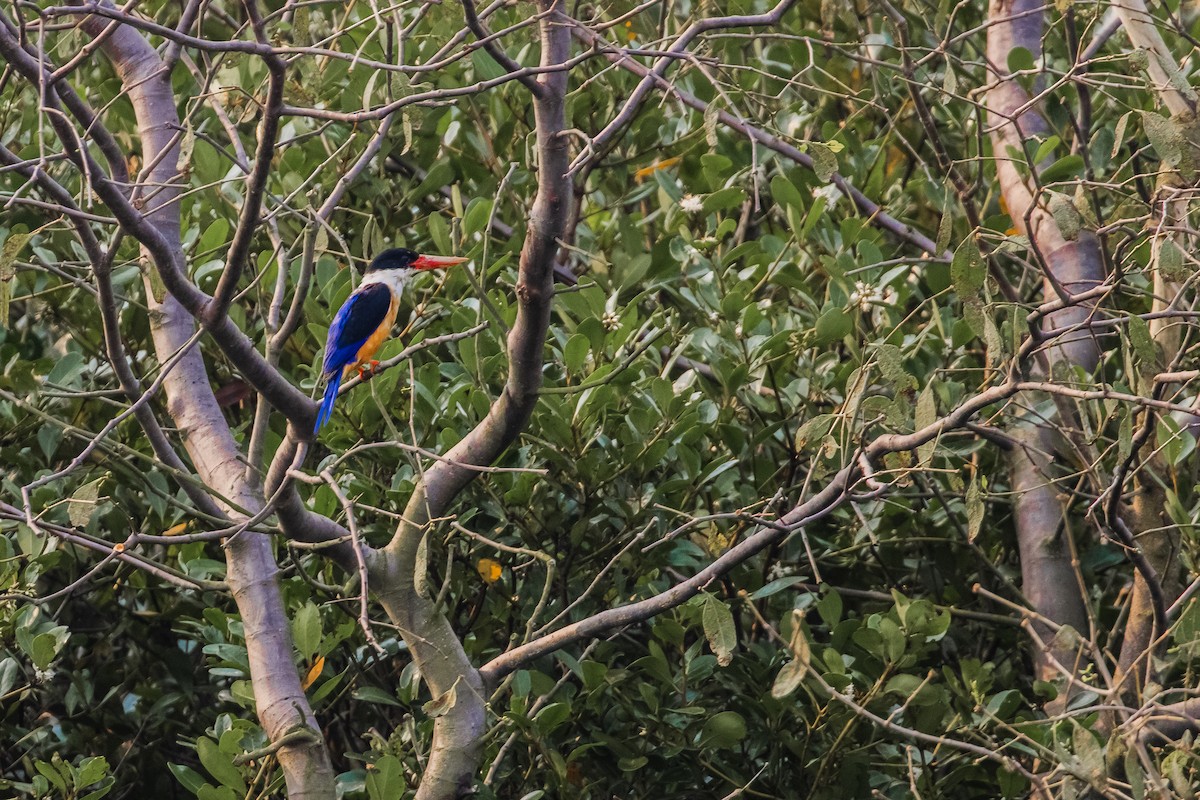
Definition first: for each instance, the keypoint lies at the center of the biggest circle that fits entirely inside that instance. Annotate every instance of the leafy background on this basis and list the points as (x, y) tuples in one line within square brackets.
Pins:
[(802, 329)]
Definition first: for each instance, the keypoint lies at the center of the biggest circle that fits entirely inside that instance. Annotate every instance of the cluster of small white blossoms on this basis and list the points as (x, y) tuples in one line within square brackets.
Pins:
[(779, 570), (865, 295), (691, 203)]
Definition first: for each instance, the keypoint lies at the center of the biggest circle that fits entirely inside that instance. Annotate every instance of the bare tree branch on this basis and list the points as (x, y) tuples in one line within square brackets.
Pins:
[(281, 703), (655, 74), (438, 652), (256, 181), (493, 49), (870, 209), (1071, 268)]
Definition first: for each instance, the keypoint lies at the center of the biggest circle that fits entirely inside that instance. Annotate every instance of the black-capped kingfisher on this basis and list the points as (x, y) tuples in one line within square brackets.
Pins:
[(364, 321)]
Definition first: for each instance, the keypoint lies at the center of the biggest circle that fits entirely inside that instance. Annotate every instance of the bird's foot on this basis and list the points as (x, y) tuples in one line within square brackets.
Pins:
[(367, 371)]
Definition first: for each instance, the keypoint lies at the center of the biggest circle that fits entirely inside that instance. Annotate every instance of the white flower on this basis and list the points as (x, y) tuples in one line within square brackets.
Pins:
[(691, 203), (779, 570), (864, 295)]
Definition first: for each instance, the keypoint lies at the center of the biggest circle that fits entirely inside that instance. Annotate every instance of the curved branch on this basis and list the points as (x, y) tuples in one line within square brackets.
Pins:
[(493, 49), (821, 504), (868, 207), (157, 229), (656, 73), (281, 704), (256, 182)]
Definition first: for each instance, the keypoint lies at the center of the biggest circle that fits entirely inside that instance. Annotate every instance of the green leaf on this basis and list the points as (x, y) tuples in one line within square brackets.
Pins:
[(551, 717), (476, 216), (66, 370), (46, 646), (439, 232), (82, 504), (385, 779), (485, 66), (890, 360), (926, 415), (1135, 773), (719, 629), (786, 194), (1170, 438), (950, 80), (1166, 137), (306, 629), (209, 792), (715, 168), (106, 786), (776, 586), (1066, 215), (575, 352), (1020, 58), (188, 777), (975, 508), (967, 270), (91, 770), (833, 324), (1066, 167), (52, 774), (1170, 261), (723, 730), (10, 671), (373, 694), (1089, 752), (214, 239), (945, 229), (1143, 343), (732, 197), (813, 216), (1046, 149), (1125, 435), (830, 608), (220, 765)]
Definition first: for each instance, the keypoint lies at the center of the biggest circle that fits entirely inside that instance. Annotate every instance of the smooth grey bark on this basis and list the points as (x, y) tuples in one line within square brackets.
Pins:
[(252, 572), (1158, 539), (452, 678), (1070, 266)]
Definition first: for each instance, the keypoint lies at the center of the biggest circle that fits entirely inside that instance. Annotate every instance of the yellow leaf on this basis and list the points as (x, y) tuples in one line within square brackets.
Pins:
[(489, 570), (646, 172), (175, 530), (313, 673)]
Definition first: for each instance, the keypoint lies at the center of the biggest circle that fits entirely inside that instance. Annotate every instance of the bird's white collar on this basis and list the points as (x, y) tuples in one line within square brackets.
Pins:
[(394, 279)]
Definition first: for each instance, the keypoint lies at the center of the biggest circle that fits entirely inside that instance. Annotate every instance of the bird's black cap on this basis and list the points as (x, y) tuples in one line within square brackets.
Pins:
[(395, 258)]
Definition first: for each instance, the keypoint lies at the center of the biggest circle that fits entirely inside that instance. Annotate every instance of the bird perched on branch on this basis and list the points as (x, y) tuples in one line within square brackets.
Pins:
[(365, 319)]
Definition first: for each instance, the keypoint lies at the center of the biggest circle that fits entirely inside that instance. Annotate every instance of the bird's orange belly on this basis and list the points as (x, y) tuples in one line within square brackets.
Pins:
[(373, 342)]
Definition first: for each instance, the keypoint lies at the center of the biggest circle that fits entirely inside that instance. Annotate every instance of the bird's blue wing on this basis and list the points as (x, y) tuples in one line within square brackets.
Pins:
[(356, 320)]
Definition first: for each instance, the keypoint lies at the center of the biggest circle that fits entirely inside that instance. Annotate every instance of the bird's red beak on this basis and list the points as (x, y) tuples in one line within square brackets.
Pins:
[(436, 262)]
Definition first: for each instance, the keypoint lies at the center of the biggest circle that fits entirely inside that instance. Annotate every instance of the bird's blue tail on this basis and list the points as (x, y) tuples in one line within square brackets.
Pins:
[(331, 393)]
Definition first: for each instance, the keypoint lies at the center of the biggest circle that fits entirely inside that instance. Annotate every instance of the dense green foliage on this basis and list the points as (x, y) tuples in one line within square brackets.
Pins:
[(737, 330)]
